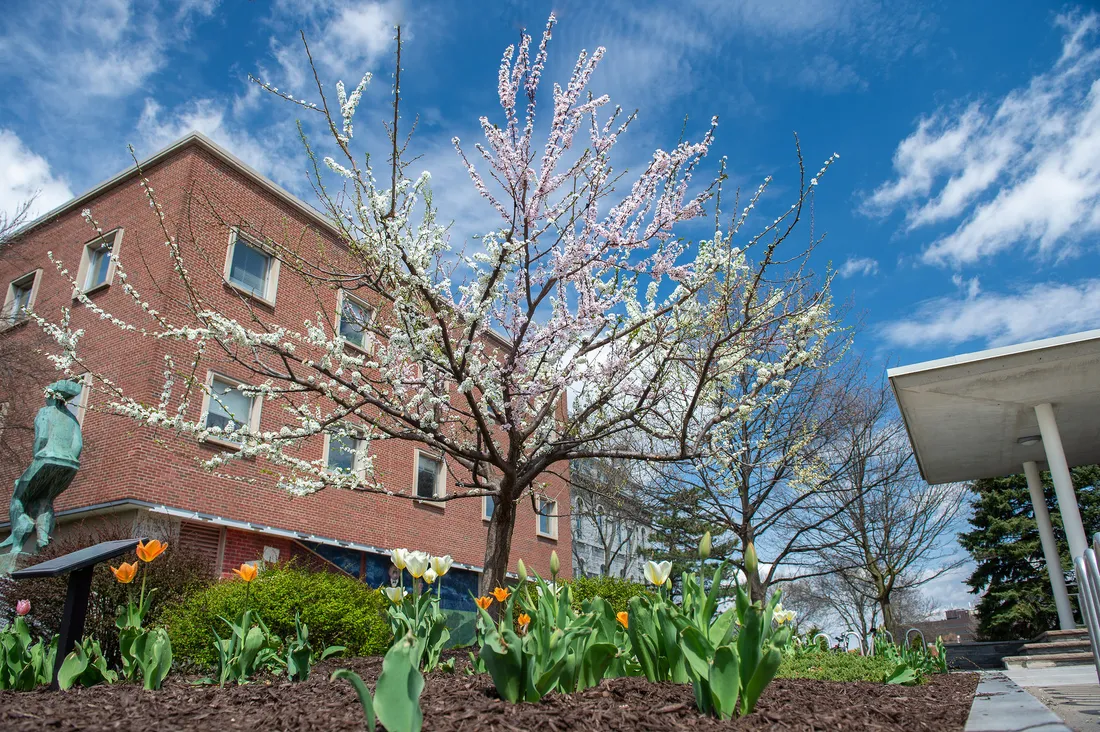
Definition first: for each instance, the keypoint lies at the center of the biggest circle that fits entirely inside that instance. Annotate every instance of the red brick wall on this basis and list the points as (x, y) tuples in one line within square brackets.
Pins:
[(201, 196)]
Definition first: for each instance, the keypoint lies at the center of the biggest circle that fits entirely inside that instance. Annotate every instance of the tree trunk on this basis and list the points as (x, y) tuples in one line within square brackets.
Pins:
[(498, 543), (757, 589), (888, 620)]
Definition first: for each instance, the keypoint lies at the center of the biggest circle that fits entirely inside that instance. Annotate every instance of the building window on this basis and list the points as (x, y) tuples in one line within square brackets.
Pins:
[(21, 295), (97, 263), (488, 505), (353, 319), (228, 408), (343, 453), (429, 476), (78, 405), (547, 517), (250, 269)]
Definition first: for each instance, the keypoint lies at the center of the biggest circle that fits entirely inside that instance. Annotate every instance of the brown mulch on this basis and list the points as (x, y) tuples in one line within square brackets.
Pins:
[(459, 702)]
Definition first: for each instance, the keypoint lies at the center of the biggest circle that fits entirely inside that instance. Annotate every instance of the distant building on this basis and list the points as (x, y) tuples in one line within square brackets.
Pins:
[(609, 530), (958, 625)]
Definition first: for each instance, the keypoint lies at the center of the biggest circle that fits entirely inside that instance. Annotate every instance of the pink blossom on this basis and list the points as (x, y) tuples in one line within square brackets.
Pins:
[(22, 607)]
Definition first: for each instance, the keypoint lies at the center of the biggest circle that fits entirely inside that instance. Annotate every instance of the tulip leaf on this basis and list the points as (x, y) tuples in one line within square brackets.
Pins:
[(397, 693), (361, 691), (724, 681)]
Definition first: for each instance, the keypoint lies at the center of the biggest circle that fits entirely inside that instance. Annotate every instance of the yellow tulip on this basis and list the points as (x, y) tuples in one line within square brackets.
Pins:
[(247, 572), (125, 573), (152, 550)]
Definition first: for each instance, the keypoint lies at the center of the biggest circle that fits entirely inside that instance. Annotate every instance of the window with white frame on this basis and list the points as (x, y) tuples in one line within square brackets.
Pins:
[(344, 452), (78, 405), (251, 269), (429, 476), (488, 505), (227, 407), (97, 263), (353, 320), (547, 517), (20, 297)]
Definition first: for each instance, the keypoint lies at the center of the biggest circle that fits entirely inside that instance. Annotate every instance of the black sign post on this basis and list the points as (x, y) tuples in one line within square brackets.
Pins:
[(79, 565)]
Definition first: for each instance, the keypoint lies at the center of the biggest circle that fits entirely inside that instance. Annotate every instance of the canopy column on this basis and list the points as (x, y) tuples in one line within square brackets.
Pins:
[(1050, 548), (1063, 483)]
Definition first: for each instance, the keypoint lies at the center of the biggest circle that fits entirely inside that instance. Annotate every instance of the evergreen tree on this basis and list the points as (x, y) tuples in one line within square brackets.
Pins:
[(1004, 542), (679, 523)]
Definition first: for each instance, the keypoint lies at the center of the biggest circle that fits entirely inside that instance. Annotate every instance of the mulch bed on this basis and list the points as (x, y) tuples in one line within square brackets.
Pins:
[(460, 702)]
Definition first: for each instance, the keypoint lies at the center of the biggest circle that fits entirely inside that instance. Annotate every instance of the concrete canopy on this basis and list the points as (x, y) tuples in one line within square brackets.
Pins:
[(966, 414)]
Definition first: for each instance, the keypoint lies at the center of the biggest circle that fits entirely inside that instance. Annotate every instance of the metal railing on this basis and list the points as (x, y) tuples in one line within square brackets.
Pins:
[(1088, 589)]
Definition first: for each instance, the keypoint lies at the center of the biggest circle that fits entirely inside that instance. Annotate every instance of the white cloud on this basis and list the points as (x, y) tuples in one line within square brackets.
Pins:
[(25, 175), (858, 265), (828, 76), (159, 128), (1037, 311), (1022, 172)]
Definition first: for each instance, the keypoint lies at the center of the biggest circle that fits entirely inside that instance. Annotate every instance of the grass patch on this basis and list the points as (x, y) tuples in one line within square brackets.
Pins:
[(835, 667)]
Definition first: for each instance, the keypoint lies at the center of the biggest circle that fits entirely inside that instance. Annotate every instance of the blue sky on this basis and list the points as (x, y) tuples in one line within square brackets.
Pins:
[(960, 215)]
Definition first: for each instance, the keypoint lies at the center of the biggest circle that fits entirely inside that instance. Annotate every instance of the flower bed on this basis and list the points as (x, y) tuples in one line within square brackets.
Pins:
[(460, 702)]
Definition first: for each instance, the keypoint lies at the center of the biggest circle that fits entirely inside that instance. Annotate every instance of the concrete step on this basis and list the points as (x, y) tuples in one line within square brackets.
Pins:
[(1054, 636), (1049, 660), (1063, 646)]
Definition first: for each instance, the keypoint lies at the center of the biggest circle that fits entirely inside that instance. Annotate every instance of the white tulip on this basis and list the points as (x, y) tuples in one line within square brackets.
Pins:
[(395, 594), (417, 563), (430, 575), (657, 572), (399, 558), (442, 565)]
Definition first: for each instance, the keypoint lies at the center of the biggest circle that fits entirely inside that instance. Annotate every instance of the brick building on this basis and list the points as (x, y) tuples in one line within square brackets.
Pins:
[(151, 476)]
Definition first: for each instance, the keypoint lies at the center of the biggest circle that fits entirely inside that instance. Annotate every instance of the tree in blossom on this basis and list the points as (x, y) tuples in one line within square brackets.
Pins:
[(584, 314)]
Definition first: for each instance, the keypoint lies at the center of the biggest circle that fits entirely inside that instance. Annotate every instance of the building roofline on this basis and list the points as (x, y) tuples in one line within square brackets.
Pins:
[(992, 353), (191, 139)]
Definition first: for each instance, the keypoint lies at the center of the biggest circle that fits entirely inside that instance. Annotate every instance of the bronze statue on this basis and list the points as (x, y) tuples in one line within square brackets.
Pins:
[(57, 446)]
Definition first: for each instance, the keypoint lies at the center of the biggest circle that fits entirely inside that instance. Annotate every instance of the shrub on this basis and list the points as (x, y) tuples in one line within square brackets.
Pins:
[(176, 575), (339, 610), (617, 592), (832, 666)]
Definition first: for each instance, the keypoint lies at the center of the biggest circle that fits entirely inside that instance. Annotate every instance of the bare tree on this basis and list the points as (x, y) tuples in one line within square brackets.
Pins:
[(609, 511), (894, 532)]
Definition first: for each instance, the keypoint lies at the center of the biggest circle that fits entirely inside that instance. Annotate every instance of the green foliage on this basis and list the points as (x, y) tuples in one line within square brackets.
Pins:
[(418, 615), (299, 653), (146, 652), (248, 649), (338, 609), (23, 664), (679, 525), (177, 574), (1004, 542), (556, 649), (85, 665), (615, 591), (396, 701), (835, 666), (912, 663)]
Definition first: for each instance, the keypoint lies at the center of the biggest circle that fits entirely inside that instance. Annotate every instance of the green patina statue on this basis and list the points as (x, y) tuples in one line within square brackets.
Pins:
[(57, 446)]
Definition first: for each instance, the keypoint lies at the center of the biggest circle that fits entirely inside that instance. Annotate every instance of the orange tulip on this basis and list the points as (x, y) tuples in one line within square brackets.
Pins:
[(484, 602), (247, 572), (622, 618), (152, 550), (523, 621), (500, 594), (125, 573)]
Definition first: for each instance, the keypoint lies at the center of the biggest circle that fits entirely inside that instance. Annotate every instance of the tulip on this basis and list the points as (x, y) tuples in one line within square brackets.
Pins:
[(521, 571), (657, 572), (933, 651), (782, 616), (150, 551), (483, 602), (555, 563), (623, 618), (125, 573), (751, 563), (523, 621), (395, 594), (442, 565), (704, 546), (247, 572), (417, 563), (22, 607), (500, 594), (399, 558), (430, 575)]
